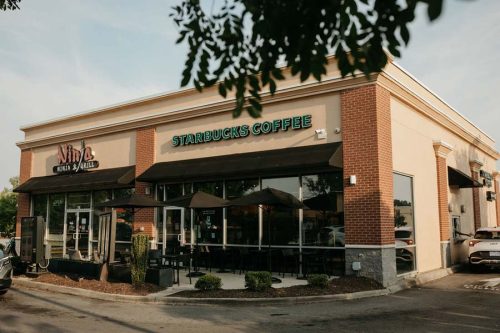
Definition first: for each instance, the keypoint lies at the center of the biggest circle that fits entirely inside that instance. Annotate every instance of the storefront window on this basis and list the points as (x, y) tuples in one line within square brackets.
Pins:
[(284, 222), (40, 205), (173, 191), (79, 200), (323, 221), (56, 224), (404, 224), (208, 225), (98, 197), (242, 222)]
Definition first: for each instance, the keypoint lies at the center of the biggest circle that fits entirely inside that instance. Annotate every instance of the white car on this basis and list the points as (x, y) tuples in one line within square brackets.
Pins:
[(484, 248), (5, 273)]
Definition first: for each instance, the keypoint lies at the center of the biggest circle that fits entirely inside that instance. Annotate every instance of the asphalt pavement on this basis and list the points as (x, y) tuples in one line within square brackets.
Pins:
[(446, 305)]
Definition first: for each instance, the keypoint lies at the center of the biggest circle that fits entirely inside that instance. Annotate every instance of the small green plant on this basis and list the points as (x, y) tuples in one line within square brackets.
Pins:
[(208, 282), (318, 280), (139, 259), (258, 281)]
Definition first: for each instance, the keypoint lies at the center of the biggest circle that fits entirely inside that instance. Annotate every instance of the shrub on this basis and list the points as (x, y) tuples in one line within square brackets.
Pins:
[(318, 280), (208, 282), (258, 281), (139, 259)]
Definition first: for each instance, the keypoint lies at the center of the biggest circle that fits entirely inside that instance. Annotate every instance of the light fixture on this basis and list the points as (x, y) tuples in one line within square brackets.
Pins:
[(320, 133), (147, 190), (352, 180)]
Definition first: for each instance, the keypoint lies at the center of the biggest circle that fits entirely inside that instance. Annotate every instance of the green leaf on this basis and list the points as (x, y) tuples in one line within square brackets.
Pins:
[(405, 34), (434, 9), (222, 90)]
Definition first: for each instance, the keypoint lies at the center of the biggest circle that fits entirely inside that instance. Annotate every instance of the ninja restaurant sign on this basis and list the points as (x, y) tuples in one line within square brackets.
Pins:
[(72, 160)]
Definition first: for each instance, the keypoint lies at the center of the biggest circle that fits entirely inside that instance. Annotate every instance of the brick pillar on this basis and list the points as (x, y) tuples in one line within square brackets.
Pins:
[(475, 166), (145, 148), (23, 199), (496, 179), (368, 205), (442, 149)]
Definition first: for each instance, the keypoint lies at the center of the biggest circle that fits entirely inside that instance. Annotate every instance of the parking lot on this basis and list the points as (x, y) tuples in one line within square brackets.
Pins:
[(446, 305)]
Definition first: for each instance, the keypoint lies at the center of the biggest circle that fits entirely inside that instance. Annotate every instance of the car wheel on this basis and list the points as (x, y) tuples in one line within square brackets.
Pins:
[(2, 292)]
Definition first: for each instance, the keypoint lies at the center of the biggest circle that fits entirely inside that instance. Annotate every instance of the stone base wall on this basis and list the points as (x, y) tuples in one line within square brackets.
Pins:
[(376, 263)]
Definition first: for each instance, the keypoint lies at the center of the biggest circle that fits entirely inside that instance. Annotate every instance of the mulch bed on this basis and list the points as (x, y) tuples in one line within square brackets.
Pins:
[(76, 281), (342, 285)]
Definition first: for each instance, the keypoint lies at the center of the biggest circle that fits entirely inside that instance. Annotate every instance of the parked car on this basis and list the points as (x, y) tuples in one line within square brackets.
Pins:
[(404, 254), (484, 248), (5, 272)]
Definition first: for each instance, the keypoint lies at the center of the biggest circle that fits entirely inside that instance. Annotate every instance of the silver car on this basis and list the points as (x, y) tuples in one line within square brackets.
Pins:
[(5, 273)]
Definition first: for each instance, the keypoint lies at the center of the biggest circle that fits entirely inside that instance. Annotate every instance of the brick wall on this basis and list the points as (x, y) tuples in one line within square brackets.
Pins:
[(23, 199), (442, 184), (475, 201), (367, 149), (144, 157)]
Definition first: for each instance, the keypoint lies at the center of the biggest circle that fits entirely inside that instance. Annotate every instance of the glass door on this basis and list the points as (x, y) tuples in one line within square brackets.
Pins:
[(77, 234), (173, 229)]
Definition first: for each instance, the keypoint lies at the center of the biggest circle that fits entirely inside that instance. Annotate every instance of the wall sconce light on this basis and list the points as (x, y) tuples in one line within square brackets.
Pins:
[(352, 180), (321, 133), (462, 208), (147, 190), (450, 208)]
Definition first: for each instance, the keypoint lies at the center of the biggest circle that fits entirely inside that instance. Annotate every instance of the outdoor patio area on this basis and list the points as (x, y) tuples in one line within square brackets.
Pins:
[(230, 281)]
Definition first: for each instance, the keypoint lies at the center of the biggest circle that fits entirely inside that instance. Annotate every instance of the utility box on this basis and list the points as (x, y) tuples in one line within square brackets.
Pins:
[(32, 238)]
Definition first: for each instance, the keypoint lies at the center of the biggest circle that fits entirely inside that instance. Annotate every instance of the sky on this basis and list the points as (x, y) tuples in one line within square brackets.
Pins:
[(60, 57)]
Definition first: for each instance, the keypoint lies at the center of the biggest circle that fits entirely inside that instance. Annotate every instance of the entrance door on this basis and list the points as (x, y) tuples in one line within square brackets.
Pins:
[(77, 234), (173, 229)]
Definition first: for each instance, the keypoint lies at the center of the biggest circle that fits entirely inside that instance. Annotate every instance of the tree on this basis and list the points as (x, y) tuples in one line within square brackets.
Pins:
[(8, 207), (9, 4), (242, 45)]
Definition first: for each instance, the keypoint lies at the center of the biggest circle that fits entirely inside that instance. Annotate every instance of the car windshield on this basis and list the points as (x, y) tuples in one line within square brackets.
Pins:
[(483, 234)]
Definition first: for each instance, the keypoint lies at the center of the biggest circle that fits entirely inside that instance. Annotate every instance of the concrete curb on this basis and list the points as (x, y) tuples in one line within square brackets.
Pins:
[(172, 300)]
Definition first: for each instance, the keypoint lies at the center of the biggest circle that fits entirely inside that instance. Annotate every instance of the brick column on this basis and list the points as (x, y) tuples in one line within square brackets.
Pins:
[(368, 205), (23, 199), (475, 166), (145, 151), (496, 179), (442, 149)]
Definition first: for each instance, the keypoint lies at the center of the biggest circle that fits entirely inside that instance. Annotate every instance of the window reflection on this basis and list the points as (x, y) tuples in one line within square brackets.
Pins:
[(404, 224), (284, 222), (56, 224), (323, 222), (242, 222), (208, 224)]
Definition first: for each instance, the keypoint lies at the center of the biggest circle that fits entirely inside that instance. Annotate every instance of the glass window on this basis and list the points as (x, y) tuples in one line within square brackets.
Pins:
[(173, 191), (323, 221), (56, 224), (79, 200), (40, 205), (208, 225), (123, 192), (99, 197), (284, 222), (404, 224), (242, 222)]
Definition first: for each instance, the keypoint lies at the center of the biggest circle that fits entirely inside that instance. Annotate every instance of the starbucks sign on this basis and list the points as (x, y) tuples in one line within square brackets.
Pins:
[(243, 131)]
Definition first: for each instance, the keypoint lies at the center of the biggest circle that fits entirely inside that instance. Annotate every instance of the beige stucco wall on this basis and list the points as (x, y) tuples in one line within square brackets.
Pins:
[(154, 106), (413, 154), (112, 151), (325, 111)]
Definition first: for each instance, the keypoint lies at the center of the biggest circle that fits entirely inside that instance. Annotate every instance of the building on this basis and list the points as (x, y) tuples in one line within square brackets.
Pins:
[(394, 177)]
